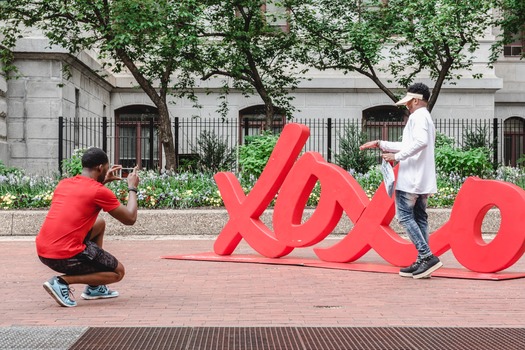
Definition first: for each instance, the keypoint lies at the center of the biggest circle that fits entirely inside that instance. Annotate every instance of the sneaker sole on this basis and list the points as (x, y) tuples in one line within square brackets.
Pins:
[(51, 291), (406, 274), (88, 297), (409, 275), (427, 273)]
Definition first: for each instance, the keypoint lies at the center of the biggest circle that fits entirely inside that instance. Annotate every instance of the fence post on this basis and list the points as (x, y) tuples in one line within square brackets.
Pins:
[(151, 143), (60, 143), (105, 134), (246, 130), (329, 141), (495, 142), (176, 135)]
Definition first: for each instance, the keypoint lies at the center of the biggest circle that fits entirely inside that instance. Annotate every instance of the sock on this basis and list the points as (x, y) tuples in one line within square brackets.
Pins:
[(61, 280)]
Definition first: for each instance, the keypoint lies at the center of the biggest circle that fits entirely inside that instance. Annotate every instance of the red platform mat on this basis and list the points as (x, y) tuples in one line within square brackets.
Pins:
[(355, 266)]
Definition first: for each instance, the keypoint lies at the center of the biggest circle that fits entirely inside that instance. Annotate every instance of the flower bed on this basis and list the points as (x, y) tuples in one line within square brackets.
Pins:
[(192, 190)]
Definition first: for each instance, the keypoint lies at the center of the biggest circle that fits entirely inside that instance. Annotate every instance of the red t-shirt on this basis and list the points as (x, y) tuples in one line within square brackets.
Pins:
[(76, 204)]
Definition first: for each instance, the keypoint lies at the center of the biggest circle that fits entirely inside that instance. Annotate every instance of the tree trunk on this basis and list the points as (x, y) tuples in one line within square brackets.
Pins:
[(439, 83), (269, 115), (159, 99), (166, 137)]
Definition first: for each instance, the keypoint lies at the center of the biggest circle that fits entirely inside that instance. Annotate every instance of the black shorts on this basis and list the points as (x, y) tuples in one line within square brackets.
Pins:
[(92, 259)]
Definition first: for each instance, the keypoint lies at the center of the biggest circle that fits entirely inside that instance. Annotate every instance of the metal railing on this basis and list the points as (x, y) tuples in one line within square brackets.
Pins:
[(505, 140)]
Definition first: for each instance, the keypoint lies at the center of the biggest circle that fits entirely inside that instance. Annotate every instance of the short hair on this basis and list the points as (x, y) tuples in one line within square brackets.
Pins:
[(93, 157), (420, 88)]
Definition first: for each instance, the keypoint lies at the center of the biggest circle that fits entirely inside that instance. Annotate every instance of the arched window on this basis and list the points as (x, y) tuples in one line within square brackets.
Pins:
[(514, 140), (516, 47), (136, 137), (384, 122), (252, 121)]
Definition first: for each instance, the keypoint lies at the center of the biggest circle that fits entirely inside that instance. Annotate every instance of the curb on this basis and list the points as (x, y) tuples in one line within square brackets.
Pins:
[(181, 222)]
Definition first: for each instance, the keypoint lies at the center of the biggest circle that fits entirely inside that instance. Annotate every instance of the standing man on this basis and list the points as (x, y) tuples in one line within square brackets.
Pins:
[(416, 178), (70, 240)]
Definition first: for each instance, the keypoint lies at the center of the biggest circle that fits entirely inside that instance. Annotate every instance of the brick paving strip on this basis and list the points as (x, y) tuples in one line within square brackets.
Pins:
[(167, 293)]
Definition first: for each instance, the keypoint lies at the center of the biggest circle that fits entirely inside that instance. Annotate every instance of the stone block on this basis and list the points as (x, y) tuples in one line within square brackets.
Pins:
[(42, 148), (6, 220), (16, 130), (48, 166), (15, 109), (3, 84), (34, 68), (3, 129), (96, 106), (38, 108), (68, 93), (27, 223), (56, 70), (42, 129), (328, 100), (3, 108), (55, 108), (34, 149), (43, 89), (18, 149), (16, 88), (4, 153)]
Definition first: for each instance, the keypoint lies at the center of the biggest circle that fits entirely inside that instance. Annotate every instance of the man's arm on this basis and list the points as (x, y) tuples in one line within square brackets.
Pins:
[(127, 214)]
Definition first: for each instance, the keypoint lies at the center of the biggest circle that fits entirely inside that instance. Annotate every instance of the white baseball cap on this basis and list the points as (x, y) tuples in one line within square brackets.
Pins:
[(409, 96)]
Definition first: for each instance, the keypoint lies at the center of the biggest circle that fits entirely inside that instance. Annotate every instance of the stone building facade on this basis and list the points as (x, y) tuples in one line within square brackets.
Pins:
[(31, 104)]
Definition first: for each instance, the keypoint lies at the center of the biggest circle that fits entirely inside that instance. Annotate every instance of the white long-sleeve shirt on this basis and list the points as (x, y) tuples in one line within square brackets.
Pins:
[(415, 153)]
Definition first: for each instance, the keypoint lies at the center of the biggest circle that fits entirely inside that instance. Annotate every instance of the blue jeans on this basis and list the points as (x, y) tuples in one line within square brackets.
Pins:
[(411, 212)]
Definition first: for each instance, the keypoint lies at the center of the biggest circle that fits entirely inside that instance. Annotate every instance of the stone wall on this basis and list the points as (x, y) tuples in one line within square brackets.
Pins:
[(4, 147), (196, 222), (38, 98)]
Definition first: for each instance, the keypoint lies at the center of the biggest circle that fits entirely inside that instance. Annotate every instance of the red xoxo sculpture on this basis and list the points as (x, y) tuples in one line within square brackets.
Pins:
[(340, 193)]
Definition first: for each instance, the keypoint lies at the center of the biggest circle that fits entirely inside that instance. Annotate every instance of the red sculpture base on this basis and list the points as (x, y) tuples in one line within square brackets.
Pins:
[(364, 267)]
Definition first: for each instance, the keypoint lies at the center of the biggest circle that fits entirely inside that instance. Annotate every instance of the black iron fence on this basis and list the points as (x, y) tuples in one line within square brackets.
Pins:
[(138, 143)]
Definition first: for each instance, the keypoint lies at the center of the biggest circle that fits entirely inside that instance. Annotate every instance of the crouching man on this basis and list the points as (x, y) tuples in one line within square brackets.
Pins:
[(71, 238)]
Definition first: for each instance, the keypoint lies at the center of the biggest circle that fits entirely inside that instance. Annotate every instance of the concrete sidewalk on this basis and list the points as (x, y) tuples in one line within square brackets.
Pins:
[(160, 292)]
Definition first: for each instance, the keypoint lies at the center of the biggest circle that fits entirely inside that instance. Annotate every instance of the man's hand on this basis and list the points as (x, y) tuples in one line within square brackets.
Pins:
[(133, 178), (389, 157), (370, 144), (112, 174)]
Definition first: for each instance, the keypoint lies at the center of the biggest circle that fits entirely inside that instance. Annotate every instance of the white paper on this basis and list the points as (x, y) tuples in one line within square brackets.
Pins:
[(388, 177)]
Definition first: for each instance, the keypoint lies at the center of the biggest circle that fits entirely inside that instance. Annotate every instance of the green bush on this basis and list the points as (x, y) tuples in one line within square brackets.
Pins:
[(214, 153), (474, 162), (469, 161), (478, 138), (73, 166), (443, 140), (350, 156), (254, 155), (5, 170), (188, 164)]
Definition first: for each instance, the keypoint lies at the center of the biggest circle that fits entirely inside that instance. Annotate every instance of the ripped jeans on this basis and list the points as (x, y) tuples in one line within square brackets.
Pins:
[(411, 212)]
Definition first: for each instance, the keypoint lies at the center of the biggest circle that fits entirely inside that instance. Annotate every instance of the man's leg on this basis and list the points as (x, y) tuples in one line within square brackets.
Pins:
[(412, 215), (421, 216), (405, 203), (94, 267), (96, 235), (415, 225)]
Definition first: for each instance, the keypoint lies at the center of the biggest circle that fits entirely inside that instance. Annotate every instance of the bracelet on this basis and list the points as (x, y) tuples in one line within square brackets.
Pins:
[(131, 189)]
